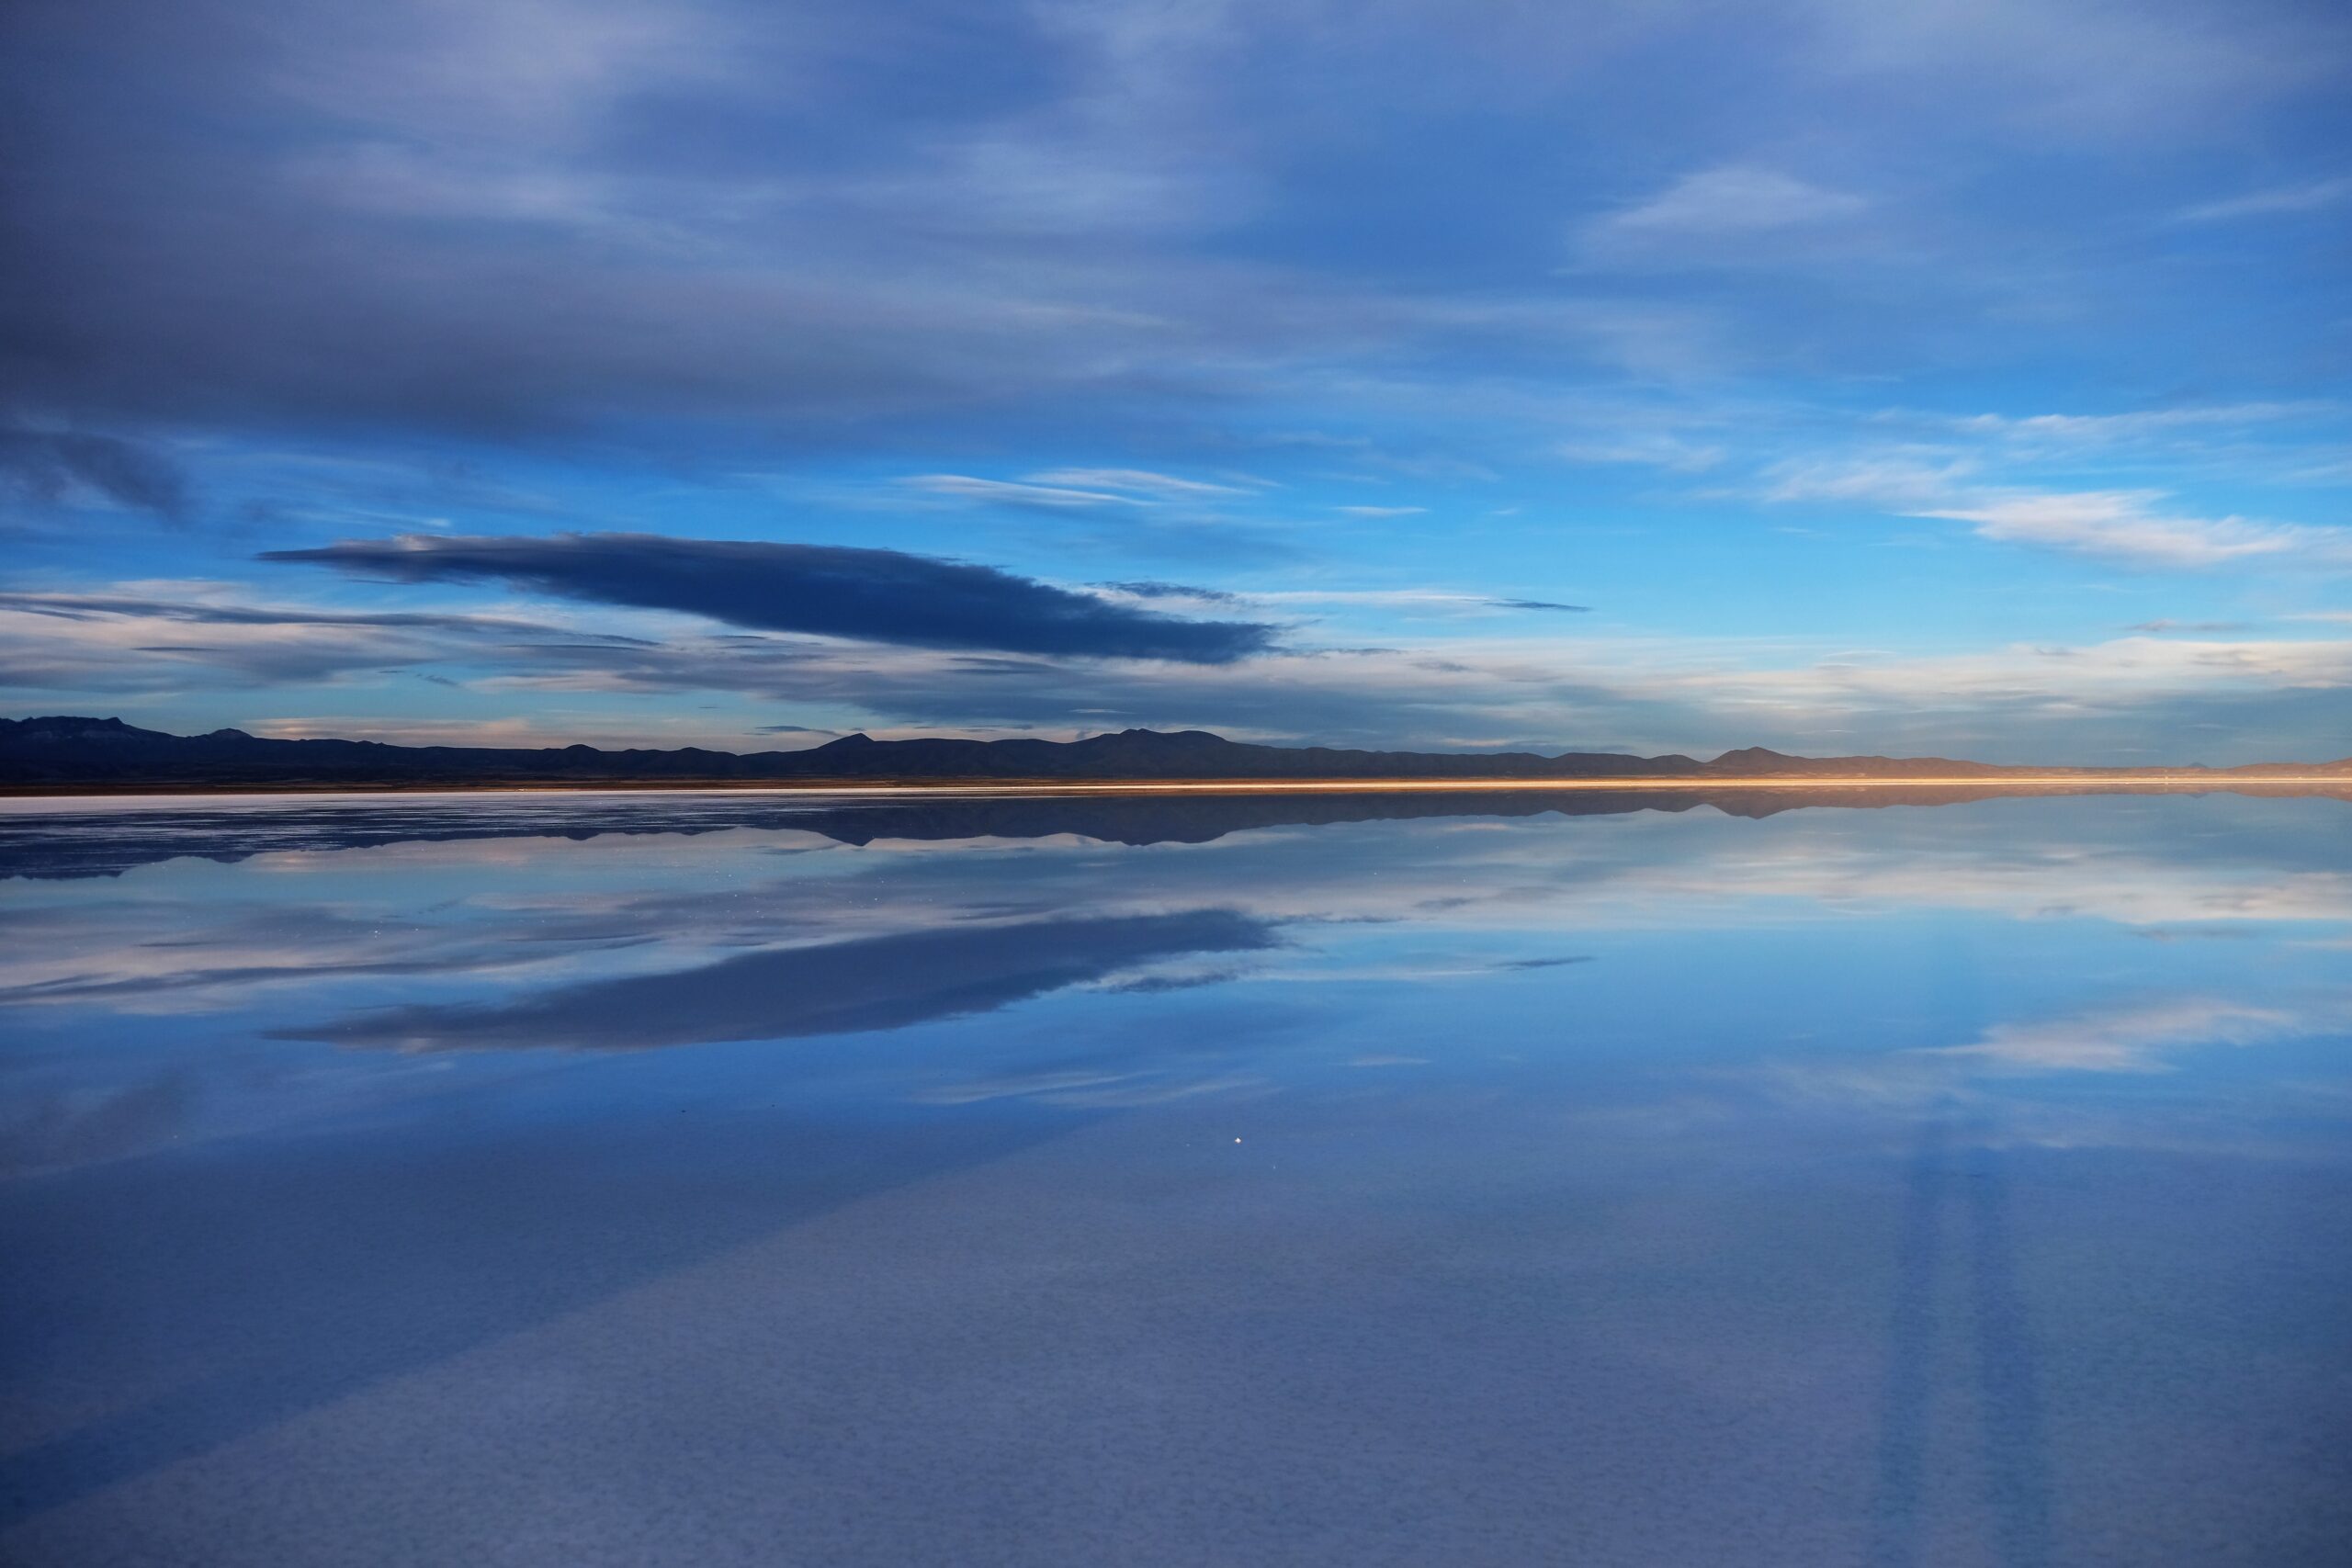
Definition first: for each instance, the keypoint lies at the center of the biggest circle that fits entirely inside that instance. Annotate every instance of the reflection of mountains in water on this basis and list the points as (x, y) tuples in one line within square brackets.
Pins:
[(107, 843)]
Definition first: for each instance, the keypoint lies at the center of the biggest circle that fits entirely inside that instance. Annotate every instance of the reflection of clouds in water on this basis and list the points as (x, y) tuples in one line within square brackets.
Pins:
[(2129, 889), (864, 985), (1542, 1236), (2141, 1038), (157, 957), (670, 940), (2002, 1078), (559, 908)]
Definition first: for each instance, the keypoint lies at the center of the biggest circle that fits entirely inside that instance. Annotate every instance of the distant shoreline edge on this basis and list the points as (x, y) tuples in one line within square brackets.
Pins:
[(2185, 781)]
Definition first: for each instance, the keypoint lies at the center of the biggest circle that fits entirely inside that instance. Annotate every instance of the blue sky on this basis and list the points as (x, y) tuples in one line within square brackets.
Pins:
[(1964, 378)]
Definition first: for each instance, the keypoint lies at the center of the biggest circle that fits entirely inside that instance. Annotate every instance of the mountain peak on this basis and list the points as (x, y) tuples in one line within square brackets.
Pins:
[(79, 727)]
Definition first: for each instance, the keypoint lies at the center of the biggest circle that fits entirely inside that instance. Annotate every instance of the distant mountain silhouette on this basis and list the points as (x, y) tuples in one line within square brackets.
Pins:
[(62, 753)]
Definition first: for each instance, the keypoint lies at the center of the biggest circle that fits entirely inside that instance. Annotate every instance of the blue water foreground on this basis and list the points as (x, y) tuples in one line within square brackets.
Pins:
[(713, 1179)]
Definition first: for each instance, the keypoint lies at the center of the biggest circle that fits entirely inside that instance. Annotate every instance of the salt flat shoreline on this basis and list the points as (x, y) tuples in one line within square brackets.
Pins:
[(25, 796)]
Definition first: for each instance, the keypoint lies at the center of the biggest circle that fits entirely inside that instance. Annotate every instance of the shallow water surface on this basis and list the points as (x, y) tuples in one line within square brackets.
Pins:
[(1355, 1181)]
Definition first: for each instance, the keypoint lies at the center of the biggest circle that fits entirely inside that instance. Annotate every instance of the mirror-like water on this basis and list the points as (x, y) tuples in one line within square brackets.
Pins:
[(1354, 1180)]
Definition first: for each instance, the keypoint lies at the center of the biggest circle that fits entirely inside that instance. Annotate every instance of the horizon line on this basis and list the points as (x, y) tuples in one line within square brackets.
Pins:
[(2149, 782)]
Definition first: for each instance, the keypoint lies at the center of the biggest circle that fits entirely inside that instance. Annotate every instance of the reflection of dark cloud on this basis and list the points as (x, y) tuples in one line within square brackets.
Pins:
[(845, 988), (875, 595)]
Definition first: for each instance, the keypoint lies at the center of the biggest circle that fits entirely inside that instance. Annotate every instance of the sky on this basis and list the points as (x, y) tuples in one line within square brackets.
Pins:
[(1970, 377)]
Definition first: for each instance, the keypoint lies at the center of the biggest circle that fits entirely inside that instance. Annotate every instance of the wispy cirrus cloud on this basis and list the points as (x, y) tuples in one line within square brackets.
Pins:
[(2132, 527), (2309, 197), (1727, 216), (1734, 200), (2129, 525), (2143, 424), (1014, 492), (1138, 479)]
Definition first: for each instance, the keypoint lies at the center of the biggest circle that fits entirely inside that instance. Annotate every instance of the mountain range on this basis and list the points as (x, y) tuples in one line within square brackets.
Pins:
[(61, 752)]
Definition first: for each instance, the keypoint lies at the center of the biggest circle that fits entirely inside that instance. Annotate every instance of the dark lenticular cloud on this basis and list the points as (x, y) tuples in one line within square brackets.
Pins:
[(873, 595)]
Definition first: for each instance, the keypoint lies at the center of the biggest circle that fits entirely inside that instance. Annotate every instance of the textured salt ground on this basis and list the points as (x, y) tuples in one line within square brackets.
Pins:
[(1424, 1333)]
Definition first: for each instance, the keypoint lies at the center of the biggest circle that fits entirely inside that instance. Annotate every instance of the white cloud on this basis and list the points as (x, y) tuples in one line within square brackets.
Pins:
[(2270, 203), (1141, 480), (1006, 492), (2100, 429), (2083, 68), (1653, 451), (2127, 525), (1725, 202), (2050, 679), (2122, 525), (1899, 483)]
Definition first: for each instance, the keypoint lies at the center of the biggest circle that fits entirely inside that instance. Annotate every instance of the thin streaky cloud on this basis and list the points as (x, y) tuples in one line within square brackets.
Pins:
[(1730, 202), (1136, 480), (1009, 493), (2136, 526), (2280, 200)]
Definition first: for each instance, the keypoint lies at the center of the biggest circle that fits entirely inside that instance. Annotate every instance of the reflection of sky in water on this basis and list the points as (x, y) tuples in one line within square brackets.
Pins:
[(513, 1181)]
